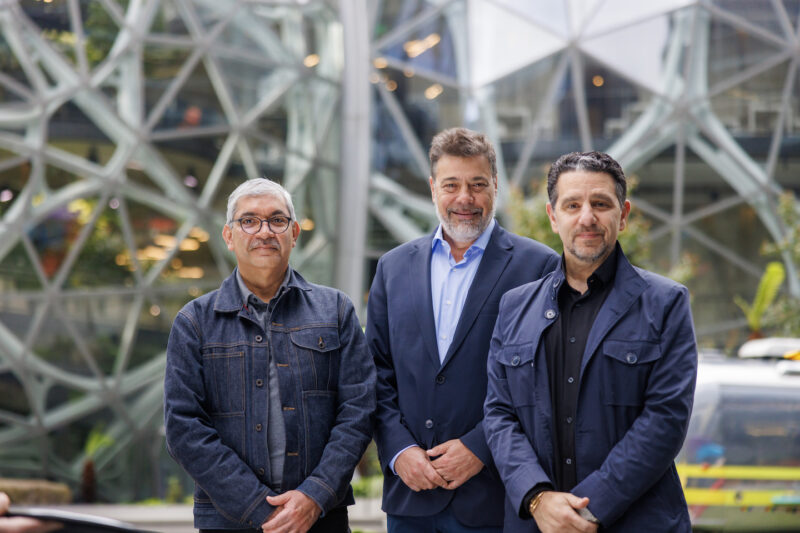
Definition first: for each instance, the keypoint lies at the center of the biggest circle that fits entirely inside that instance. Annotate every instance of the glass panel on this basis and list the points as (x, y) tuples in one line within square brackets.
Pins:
[(613, 103), (71, 130), (195, 105), (14, 399), (17, 272), (751, 109), (153, 233), (549, 14), (642, 64), (731, 50), (102, 261), (98, 322), (787, 168), (55, 234), (101, 30), (428, 46), (13, 179), (759, 12)]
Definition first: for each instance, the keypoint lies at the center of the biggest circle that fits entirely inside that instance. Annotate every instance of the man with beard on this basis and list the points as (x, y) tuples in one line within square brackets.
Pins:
[(269, 391), (592, 372), (432, 307)]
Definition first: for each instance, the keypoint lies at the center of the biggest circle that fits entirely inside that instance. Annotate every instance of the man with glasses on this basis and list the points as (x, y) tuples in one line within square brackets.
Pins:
[(269, 389)]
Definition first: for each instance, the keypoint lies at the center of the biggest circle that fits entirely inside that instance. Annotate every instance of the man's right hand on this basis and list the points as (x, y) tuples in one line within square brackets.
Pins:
[(557, 513), (415, 469)]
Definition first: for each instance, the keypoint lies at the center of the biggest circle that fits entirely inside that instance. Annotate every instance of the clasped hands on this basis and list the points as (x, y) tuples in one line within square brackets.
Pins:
[(448, 465), (294, 513)]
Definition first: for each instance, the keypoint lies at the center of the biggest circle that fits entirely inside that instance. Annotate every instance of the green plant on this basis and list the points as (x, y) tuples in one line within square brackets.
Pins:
[(767, 291)]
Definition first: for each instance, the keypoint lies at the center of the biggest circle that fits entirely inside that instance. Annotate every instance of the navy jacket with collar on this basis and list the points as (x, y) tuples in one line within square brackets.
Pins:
[(216, 394), (636, 390), (423, 402)]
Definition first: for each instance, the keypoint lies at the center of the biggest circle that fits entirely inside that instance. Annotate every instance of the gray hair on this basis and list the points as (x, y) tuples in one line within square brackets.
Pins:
[(461, 142), (588, 162), (258, 187)]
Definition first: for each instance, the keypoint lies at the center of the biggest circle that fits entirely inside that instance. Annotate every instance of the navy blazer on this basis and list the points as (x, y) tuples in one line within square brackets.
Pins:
[(636, 388), (423, 402)]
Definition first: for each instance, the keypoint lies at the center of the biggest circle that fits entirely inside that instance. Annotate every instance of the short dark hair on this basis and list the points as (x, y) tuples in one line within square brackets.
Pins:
[(461, 142), (589, 162)]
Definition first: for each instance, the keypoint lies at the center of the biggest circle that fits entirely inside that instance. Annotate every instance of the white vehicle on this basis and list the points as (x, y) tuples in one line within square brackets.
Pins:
[(740, 464)]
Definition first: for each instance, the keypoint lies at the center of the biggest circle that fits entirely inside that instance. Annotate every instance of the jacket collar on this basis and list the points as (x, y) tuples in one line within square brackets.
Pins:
[(229, 297)]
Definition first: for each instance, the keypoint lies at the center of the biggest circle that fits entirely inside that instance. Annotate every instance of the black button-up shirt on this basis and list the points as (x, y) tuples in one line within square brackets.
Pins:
[(564, 343)]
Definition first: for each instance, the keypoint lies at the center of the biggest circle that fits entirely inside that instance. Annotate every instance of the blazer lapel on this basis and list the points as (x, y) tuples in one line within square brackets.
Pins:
[(493, 263), (419, 282), (628, 286)]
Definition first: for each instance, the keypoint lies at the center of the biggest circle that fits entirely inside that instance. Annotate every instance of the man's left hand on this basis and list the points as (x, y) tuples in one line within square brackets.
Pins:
[(295, 513), (454, 462)]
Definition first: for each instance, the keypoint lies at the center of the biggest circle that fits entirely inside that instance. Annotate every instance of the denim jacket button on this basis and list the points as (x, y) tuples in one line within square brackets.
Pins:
[(258, 427), (549, 314), (261, 471), (259, 382), (429, 423), (515, 360), (631, 358), (259, 338)]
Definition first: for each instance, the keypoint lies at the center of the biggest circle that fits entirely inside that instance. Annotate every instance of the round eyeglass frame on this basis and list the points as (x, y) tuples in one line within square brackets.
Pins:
[(261, 224)]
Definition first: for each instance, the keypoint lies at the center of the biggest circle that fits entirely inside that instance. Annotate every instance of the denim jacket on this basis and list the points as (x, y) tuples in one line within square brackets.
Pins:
[(216, 397)]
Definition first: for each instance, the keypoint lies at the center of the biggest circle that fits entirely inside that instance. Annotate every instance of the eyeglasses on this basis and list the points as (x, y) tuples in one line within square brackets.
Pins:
[(252, 225)]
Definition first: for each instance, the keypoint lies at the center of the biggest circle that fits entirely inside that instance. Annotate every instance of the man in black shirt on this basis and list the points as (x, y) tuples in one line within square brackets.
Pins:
[(592, 372)]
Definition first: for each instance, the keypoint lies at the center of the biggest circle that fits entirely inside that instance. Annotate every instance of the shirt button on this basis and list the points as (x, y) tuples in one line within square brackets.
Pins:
[(429, 423), (440, 379), (259, 338), (258, 427), (570, 379), (569, 461), (259, 382), (448, 302), (569, 420), (443, 337), (572, 339)]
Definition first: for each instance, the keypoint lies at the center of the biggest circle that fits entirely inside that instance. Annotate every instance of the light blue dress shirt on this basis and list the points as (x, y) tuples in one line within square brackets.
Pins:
[(450, 283)]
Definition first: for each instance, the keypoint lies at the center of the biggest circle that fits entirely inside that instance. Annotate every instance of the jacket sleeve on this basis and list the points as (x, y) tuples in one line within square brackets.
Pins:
[(514, 456), (391, 435), (352, 430), (650, 446), (234, 489)]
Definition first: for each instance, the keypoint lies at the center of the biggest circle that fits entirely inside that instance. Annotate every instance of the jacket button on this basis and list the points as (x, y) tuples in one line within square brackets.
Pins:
[(429, 423), (259, 382), (261, 471), (259, 338), (631, 357), (440, 379), (515, 360), (258, 427), (549, 314)]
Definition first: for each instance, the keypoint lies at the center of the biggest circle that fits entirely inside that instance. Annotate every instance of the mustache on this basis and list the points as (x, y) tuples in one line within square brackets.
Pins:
[(255, 243), (464, 209)]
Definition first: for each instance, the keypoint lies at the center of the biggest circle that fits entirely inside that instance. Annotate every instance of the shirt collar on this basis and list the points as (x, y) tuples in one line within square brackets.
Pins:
[(480, 243), (604, 274), (247, 293)]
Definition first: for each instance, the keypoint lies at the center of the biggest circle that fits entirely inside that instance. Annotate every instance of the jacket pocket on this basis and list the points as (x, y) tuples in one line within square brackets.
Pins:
[(626, 368), (518, 362), (223, 374), (319, 411), (317, 349)]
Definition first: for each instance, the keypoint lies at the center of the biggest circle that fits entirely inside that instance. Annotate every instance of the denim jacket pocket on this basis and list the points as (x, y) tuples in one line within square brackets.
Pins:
[(626, 368), (518, 360), (223, 373), (317, 349)]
